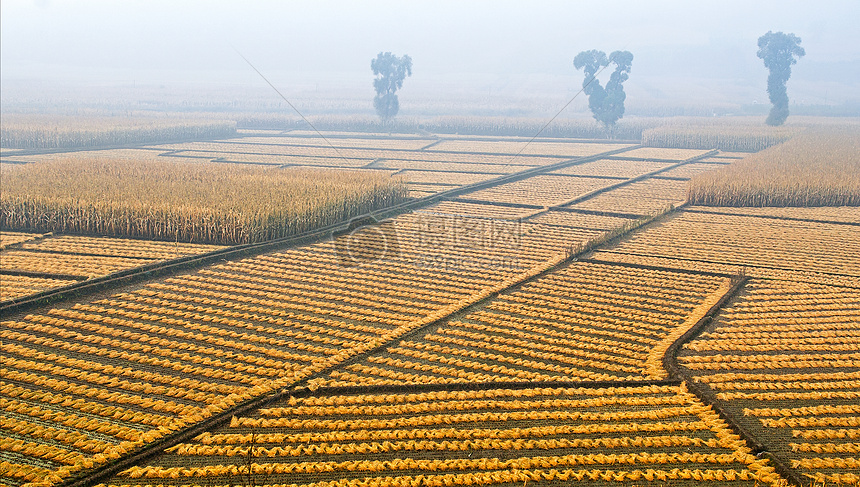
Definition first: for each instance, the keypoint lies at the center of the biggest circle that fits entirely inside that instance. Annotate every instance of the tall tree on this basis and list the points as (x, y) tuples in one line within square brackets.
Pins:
[(390, 72), (778, 50), (606, 104)]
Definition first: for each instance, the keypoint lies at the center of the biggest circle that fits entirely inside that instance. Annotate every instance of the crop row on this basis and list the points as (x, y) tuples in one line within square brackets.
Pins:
[(118, 247), (640, 198), (12, 238), (743, 240), (65, 264), (785, 356), (532, 435), (19, 286), (127, 369), (583, 322), (542, 190), (348, 156), (617, 168)]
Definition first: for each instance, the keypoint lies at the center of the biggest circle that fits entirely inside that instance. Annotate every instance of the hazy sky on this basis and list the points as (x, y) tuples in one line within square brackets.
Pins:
[(168, 41)]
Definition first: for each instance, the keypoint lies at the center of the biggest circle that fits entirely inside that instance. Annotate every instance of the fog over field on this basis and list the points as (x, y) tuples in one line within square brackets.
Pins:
[(498, 55)]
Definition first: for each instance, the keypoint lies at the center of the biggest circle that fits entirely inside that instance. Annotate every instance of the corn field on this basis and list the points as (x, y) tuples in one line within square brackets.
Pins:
[(743, 138), (54, 132), (817, 168), (185, 202)]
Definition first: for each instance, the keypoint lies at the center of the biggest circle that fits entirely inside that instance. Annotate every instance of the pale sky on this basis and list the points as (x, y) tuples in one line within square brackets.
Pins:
[(183, 41)]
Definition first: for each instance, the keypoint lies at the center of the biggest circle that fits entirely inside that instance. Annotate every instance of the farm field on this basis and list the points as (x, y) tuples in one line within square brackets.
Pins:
[(784, 358), (32, 262), (779, 357), (290, 314), (206, 203), (651, 435), (513, 333)]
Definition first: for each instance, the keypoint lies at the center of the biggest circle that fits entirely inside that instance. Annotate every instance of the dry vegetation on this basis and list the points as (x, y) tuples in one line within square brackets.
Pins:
[(52, 131), (187, 202), (746, 138), (817, 168)]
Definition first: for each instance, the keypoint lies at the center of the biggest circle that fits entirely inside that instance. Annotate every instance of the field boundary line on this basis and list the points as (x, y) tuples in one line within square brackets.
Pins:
[(45, 275), (173, 266), (755, 266), (305, 380), (698, 209), (83, 254), (19, 245), (635, 179), (133, 145), (703, 392)]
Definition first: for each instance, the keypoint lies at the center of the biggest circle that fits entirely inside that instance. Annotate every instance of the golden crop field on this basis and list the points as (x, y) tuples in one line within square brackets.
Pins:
[(645, 197), (131, 367), (816, 168), (440, 177), (16, 286), (587, 322), (843, 214), (647, 436), (662, 153), (381, 141), (730, 137), (450, 166), (49, 262), (541, 190), (579, 220), (369, 153), (617, 168), (13, 238), (760, 246), (478, 210), (565, 149), (691, 170), (470, 333), (188, 202), (53, 131), (784, 357)]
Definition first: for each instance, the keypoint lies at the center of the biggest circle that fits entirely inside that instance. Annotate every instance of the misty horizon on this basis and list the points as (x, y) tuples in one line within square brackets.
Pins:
[(683, 53)]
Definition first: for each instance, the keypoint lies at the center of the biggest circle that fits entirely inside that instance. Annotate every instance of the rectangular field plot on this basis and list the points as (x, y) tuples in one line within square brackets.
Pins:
[(19, 286), (229, 151), (449, 166), (784, 359), (12, 238), (429, 188), (108, 374), (845, 214), (352, 142), (119, 247), (112, 154), (82, 266), (461, 208), (277, 160), (542, 190), (616, 168), (661, 153), (640, 198), (727, 269), (558, 149), (439, 177), (67, 259), (795, 246), (583, 322), (643, 436), (580, 220)]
